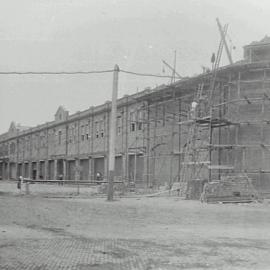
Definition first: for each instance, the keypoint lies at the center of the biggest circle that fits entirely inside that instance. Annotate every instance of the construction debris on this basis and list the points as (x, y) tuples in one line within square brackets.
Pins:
[(231, 189)]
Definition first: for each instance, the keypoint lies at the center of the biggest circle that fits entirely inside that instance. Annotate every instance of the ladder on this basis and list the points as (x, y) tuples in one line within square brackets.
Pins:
[(197, 153), (190, 152), (212, 88)]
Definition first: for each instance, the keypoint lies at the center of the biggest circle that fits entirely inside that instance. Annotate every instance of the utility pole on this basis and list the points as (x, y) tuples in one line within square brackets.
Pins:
[(112, 134)]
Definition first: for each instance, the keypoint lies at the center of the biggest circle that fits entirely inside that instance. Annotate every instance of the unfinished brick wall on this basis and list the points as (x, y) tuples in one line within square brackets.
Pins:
[(248, 136)]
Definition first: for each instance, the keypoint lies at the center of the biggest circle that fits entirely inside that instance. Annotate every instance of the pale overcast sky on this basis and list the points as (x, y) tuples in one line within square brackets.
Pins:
[(70, 35)]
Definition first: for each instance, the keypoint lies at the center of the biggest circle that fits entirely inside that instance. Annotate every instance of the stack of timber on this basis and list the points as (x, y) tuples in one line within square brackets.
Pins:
[(230, 189)]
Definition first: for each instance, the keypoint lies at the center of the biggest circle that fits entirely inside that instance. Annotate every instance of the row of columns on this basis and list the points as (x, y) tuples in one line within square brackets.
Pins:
[(44, 170), (33, 169), (52, 169)]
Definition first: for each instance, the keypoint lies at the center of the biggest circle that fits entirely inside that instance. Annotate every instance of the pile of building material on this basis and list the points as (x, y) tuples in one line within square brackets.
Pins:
[(230, 189), (194, 189)]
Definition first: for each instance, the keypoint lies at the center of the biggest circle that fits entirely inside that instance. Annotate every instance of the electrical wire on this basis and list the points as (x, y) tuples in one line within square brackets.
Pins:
[(54, 72), (145, 74), (81, 73)]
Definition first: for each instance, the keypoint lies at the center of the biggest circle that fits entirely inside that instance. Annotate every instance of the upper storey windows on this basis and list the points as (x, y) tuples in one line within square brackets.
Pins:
[(136, 119)]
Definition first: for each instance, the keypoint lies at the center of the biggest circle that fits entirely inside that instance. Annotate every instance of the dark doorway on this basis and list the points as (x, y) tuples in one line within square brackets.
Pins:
[(118, 167), (34, 171), (84, 163), (41, 169), (51, 170), (26, 170), (12, 171), (71, 170), (99, 167), (135, 168), (19, 172), (60, 168)]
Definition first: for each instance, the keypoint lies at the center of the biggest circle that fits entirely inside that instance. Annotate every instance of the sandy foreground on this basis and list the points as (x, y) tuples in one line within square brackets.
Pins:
[(67, 231)]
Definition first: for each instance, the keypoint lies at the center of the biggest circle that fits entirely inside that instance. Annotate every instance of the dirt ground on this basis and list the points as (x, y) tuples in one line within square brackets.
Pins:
[(87, 232)]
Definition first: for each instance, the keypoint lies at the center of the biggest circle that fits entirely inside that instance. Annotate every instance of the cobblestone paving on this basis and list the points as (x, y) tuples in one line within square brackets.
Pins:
[(37, 233), (65, 253), (114, 254)]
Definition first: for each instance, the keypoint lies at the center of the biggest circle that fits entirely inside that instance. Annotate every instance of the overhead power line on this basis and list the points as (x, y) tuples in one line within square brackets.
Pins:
[(54, 72), (145, 74), (80, 73)]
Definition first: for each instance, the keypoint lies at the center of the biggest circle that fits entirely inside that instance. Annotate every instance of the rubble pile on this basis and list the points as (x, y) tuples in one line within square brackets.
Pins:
[(232, 189)]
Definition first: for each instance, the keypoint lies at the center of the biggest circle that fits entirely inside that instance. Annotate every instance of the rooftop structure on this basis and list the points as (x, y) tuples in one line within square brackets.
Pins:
[(258, 51)]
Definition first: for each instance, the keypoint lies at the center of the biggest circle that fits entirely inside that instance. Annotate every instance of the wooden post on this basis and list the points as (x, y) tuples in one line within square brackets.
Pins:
[(153, 152), (37, 169), (172, 140), (179, 138), (23, 169), (90, 168), (223, 37), (55, 176), (64, 169), (136, 143), (148, 152), (77, 174), (16, 170), (27, 189), (112, 134), (126, 114), (46, 169), (8, 171), (263, 154), (30, 172)]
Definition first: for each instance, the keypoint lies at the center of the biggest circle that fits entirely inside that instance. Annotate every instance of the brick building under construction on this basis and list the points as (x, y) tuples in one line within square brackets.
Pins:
[(230, 132)]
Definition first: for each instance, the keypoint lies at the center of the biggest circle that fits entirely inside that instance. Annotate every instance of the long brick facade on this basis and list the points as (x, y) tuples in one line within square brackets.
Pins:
[(151, 138)]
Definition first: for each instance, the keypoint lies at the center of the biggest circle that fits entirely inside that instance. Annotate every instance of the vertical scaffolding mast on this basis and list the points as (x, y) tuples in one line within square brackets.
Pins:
[(195, 152)]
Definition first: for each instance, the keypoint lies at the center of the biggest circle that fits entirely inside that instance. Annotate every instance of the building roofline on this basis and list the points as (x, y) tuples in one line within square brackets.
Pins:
[(142, 95), (257, 45), (263, 42)]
